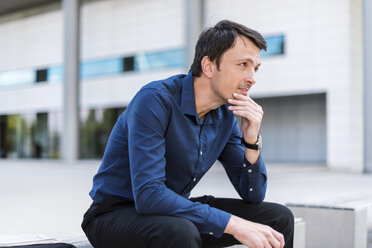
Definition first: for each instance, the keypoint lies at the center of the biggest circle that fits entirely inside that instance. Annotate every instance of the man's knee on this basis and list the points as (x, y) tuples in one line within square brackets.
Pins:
[(178, 233), (284, 217)]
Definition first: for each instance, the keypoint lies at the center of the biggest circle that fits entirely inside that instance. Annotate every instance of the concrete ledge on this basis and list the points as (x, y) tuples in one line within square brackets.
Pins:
[(79, 242), (299, 239), (31, 239), (333, 226)]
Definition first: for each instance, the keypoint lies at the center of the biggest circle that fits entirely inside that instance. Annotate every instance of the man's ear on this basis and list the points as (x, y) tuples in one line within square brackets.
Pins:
[(207, 66)]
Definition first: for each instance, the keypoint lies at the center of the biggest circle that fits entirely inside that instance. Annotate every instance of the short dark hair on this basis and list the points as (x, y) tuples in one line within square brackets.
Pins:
[(214, 41)]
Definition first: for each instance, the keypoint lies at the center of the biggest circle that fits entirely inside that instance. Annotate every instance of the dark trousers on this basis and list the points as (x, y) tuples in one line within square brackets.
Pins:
[(114, 223)]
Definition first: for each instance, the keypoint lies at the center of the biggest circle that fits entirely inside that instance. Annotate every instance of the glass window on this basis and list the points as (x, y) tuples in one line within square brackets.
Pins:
[(41, 75), (40, 139), (95, 129), (17, 77), (19, 135), (97, 68), (275, 45), (54, 134), (3, 121), (101, 68), (55, 74), (31, 135), (128, 63), (157, 60)]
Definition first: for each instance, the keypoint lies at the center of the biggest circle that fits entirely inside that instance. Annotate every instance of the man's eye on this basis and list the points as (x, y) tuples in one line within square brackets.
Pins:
[(244, 64)]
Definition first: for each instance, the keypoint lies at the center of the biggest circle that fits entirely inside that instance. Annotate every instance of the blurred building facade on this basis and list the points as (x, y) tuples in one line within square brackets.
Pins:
[(310, 84)]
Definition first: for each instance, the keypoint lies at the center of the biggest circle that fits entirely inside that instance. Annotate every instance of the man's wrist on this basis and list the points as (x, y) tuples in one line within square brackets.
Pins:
[(251, 139), (231, 225), (251, 155), (253, 146)]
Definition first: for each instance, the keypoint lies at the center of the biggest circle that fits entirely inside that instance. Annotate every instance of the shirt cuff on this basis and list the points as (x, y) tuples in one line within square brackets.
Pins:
[(259, 166), (216, 222)]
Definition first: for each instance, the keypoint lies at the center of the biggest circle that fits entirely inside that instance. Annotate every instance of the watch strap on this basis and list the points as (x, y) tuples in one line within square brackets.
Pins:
[(249, 146)]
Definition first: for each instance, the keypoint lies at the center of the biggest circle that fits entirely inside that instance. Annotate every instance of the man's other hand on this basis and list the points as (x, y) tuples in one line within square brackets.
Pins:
[(254, 235)]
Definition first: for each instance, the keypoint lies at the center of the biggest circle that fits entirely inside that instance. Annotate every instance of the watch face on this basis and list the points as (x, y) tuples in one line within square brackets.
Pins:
[(259, 142)]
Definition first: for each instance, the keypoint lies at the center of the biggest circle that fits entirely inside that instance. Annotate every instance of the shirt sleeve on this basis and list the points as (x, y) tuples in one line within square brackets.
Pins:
[(147, 123), (249, 180)]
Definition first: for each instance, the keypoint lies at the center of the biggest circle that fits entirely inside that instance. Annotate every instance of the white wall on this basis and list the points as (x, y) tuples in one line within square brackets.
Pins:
[(108, 28), (114, 27), (31, 41), (356, 84)]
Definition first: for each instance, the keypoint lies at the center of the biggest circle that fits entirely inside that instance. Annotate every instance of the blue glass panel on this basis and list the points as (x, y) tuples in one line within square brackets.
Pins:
[(55, 74), (157, 60), (101, 68), (97, 68), (17, 77), (275, 45)]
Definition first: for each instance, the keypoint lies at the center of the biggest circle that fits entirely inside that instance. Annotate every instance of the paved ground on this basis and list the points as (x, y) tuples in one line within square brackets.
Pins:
[(50, 197)]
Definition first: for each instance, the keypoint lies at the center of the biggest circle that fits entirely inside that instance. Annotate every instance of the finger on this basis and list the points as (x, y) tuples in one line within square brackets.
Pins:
[(245, 102), (255, 107), (267, 244), (242, 102), (246, 108), (251, 118), (274, 242), (246, 114), (279, 237), (245, 98)]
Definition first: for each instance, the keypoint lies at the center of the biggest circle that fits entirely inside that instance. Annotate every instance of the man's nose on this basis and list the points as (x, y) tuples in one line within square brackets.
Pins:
[(250, 77)]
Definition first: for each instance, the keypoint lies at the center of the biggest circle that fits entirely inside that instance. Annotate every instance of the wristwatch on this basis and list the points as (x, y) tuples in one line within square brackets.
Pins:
[(256, 146)]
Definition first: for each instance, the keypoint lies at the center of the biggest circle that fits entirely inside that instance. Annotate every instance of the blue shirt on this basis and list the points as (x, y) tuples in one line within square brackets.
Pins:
[(159, 149)]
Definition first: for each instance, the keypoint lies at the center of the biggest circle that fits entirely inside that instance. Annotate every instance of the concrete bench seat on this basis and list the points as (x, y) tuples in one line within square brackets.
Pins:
[(30, 239), (334, 224), (79, 242)]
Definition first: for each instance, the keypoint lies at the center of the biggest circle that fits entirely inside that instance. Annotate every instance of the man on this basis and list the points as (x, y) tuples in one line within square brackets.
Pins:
[(170, 135)]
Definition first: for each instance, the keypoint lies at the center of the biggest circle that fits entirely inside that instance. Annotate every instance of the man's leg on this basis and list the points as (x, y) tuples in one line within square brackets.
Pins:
[(274, 215), (124, 227)]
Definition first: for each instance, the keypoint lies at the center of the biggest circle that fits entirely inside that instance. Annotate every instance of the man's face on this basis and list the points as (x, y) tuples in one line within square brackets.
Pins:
[(238, 66)]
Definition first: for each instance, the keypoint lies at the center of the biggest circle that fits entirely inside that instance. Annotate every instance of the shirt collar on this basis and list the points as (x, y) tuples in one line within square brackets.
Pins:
[(188, 102), (188, 96)]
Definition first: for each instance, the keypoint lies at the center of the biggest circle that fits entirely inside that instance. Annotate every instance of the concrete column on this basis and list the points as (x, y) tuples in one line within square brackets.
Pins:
[(70, 135), (194, 26), (367, 40)]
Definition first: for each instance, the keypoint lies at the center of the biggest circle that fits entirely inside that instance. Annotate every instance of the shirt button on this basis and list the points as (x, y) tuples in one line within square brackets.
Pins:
[(201, 153), (249, 171), (250, 189), (194, 179), (244, 165), (210, 233)]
